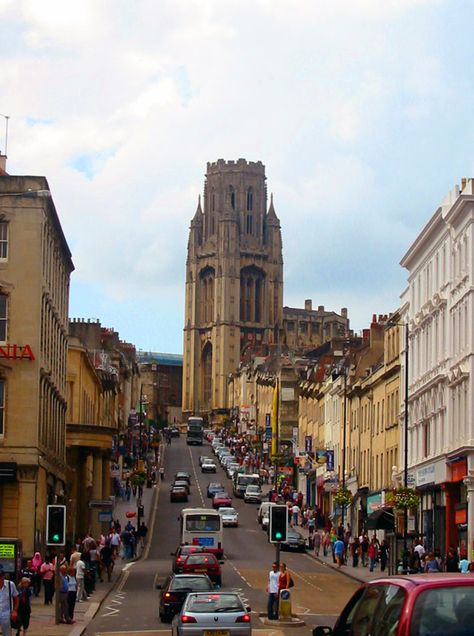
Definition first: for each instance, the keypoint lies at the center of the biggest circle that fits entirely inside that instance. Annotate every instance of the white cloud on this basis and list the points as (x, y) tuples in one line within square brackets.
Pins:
[(129, 101)]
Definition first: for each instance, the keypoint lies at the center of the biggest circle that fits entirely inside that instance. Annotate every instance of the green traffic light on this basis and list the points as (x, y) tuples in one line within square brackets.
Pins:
[(56, 537), (277, 535)]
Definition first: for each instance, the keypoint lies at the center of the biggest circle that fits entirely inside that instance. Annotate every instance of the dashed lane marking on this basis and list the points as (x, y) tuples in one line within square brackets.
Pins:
[(196, 480), (238, 572)]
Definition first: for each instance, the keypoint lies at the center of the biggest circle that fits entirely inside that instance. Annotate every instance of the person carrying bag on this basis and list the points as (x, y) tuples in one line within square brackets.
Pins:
[(8, 604)]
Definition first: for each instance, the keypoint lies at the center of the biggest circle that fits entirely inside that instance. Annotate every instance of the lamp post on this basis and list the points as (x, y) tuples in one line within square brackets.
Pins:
[(405, 438), (336, 374)]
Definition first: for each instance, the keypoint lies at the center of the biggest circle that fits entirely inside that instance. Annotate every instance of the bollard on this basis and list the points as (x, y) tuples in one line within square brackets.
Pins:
[(284, 606)]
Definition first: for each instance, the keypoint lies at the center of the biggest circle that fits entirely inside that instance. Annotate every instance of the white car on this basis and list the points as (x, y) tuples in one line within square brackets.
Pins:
[(253, 494), (230, 516), (208, 466)]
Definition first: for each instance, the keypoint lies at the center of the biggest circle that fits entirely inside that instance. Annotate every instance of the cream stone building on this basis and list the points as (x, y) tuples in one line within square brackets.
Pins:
[(234, 282), (35, 268)]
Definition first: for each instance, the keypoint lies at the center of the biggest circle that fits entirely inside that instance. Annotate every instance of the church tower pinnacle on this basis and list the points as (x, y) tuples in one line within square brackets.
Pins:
[(234, 281)]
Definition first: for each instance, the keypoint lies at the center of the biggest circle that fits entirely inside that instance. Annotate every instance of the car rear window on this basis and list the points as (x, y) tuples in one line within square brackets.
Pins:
[(196, 583), (201, 559), (441, 611), (214, 602)]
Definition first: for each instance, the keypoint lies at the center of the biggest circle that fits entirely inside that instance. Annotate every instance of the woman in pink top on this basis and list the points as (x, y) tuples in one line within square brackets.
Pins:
[(36, 563), (47, 576)]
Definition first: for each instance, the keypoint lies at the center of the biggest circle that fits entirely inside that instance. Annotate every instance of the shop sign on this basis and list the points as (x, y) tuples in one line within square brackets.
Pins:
[(459, 469), (425, 475), (16, 352), (374, 502)]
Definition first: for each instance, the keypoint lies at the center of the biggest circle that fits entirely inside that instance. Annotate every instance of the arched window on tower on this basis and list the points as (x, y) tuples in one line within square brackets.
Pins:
[(206, 295), (232, 197), (249, 200), (249, 224), (252, 282), (206, 377)]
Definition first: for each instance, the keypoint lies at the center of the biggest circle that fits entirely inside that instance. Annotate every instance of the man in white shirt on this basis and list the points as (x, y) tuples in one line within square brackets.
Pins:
[(420, 549), (81, 591), (8, 603), (272, 589)]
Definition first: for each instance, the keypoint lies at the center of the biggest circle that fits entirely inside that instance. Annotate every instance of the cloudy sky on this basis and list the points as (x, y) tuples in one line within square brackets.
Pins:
[(361, 110)]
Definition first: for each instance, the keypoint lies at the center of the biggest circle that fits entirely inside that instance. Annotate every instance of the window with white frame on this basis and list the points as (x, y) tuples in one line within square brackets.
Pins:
[(3, 317), (3, 240)]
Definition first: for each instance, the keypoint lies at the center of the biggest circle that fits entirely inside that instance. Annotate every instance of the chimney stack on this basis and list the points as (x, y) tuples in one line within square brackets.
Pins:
[(308, 305), (3, 164)]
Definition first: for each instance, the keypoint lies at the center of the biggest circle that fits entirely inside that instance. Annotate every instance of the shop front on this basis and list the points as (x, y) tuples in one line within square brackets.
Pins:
[(455, 494), (432, 509)]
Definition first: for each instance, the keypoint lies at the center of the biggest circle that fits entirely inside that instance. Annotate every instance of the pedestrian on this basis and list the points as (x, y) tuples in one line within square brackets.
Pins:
[(452, 560), (431, 563), (285, 578), (383, 555), (311, 521), (80, 572), (364, 549), (142, 532), (295, 513), (355, 549), (25, 592), (72, 592), (162, 472), (317, 543), (114, 538), (339, 549), (36, 562), (272, 589), (63, 594), (333, 539), (464, 564), (47, 576), (107, 559), (372, 553), (8, 603), (326, 541)]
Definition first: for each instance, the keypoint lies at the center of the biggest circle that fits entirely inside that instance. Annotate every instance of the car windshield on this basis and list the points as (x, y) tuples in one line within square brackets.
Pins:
[(227, 511), (204, 603), (439, 611), (201, 559), (220, 495), (192, 583), (203, 523)]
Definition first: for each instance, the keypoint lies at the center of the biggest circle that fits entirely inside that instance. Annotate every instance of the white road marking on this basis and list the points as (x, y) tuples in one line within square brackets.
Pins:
[(196, 477), (304, 579), (237, 571)]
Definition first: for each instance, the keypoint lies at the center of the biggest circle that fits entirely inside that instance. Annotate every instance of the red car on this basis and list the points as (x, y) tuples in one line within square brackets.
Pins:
[(183, 551), (178, 493), (221, 499), (203, 563), (420, 605)]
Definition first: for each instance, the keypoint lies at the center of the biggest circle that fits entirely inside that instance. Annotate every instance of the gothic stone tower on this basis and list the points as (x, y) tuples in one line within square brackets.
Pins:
[(234, 281)]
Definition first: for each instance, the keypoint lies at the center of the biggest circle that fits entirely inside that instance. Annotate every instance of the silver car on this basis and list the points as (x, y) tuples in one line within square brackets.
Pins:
[(253, 494), (230, 517), (213, 614)]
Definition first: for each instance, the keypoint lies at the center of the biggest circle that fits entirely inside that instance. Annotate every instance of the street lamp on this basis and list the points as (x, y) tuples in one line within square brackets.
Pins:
[(405, 438), (343, 371)]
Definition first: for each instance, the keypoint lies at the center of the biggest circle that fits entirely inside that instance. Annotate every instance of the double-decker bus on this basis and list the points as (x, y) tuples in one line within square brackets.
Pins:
[(203, 526), (194, 433)]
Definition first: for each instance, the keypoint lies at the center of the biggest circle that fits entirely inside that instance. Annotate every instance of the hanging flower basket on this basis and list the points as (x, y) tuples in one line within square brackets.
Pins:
[(343, 497), (138, 478), (406, 498)]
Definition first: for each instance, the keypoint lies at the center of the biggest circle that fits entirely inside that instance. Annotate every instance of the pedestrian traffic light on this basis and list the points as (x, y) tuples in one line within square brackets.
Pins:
[(56, 525), (278, 524)]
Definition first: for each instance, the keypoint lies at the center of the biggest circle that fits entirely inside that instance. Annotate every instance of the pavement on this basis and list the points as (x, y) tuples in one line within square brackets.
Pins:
[(43, 616)]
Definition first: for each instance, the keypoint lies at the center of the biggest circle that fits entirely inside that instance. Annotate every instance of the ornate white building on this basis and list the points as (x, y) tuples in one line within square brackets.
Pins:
[(438, 307)]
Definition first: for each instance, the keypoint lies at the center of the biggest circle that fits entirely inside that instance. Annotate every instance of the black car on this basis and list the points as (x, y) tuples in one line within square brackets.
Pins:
[(214, 487), (175, 589), (295, 541), (174, 431)]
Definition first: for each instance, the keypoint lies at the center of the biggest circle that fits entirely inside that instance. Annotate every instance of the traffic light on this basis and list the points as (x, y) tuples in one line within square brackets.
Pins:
[(56, 525), (278, 524)]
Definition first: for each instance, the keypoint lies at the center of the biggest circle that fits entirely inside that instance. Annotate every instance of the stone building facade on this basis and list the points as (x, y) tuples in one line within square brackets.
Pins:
[(308, 328), (234, 282), (35, 268)]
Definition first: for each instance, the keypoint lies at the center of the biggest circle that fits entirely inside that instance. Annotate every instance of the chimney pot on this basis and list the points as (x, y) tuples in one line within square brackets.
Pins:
[(308, 304)]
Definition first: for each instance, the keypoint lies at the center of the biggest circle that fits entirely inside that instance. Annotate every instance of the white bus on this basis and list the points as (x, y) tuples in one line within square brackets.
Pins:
[(203, 526)]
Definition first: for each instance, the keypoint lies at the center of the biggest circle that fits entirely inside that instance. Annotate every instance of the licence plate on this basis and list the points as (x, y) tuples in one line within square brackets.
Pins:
[(200, 570), (216, 632)]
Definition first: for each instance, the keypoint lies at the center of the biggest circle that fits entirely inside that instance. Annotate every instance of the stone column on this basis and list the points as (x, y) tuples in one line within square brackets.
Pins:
[(469, 483), (96, 492), (106, 481)]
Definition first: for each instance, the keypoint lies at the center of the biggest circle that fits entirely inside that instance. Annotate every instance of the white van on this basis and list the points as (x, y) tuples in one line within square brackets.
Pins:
[(263, 514)]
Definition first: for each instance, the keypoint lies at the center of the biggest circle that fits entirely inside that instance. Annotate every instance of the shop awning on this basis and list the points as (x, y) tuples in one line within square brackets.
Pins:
[(381, 519)]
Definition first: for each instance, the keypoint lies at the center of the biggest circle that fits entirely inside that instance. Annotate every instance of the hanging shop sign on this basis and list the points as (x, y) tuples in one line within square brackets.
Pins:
[(425, 475)]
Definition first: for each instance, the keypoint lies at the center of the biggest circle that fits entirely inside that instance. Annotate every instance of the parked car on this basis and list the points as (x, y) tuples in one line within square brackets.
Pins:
[(178, 493), (230, 516), (253, 494), (213, 613), (214, 487), (231, 468), (181, 552), (202, 459), (295, 541), (183, 484), (221, 499), (203, 563), (183, 474), (426, 604), (209, 466), (175, 589)]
